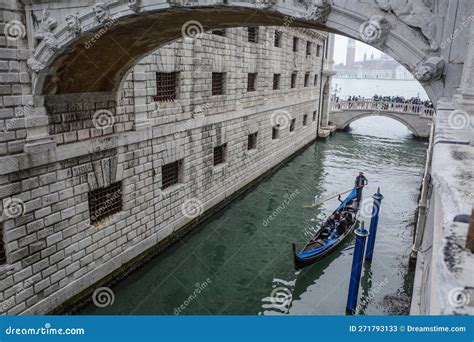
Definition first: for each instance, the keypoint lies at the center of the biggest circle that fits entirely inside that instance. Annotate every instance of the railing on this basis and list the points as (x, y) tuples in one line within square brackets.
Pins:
[(382, 106)]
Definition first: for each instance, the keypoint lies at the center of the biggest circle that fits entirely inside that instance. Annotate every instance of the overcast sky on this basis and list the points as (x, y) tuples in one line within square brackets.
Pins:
[(341, 47)]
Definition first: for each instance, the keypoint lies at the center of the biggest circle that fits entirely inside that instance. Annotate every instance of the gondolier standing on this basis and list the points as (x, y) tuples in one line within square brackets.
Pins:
[(360, 182)]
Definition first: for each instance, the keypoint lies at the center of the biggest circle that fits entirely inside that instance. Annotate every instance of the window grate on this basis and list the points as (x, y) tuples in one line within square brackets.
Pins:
[(220, 154), (166, 86), (218, 83), (295, 44), (170, 174), (275, 132), (305, 120), (292, 125), (251, 82), (293, 79), (315, 80), (276, 81), (252, 141), (105, 202), (253, 34), (308, 48), (277, 40), (219, 32), (306, 79)]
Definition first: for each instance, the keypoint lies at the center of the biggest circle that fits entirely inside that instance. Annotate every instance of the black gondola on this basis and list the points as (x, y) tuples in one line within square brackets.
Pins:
[(332, 233)]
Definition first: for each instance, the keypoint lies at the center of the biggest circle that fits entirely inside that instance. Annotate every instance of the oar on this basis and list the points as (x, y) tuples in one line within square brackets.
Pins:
[(326, 199)]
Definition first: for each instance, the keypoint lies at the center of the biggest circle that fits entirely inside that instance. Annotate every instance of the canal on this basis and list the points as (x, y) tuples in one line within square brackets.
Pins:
[(240, 262)]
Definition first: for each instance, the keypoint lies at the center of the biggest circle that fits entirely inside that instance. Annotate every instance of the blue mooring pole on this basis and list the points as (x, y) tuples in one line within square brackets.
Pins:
[(374, 221), (357, 261)]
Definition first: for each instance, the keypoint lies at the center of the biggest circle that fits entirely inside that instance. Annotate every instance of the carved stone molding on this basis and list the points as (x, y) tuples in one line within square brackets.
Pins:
[(44, 30), (375, 30), (318, 10), (430, 70), (134, 5), (102, 12), (35, 65), (73, 24)]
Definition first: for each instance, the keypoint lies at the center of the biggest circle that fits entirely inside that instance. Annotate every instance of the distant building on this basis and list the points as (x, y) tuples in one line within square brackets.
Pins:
[(383, 67)]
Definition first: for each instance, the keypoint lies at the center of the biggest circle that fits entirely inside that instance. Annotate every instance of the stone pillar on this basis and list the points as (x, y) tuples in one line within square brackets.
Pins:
[(140, 97), (36, 122)]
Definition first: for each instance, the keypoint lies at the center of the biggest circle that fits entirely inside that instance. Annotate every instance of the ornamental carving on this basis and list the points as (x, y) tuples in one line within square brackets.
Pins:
[(318, 10), (35, 65), (414, 13), (44, 30), (375, 30), (430, 70), (73, 24), (134, 5), (102, 12)]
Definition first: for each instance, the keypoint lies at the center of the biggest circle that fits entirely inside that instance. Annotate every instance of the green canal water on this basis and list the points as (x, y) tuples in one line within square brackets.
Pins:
[(239, 262)]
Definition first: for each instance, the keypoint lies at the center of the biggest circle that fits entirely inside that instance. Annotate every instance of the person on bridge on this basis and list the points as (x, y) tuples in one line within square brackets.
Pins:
[(360, 182)]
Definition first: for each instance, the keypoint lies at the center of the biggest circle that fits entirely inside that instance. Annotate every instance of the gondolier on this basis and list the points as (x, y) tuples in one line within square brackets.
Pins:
[(360, 182)]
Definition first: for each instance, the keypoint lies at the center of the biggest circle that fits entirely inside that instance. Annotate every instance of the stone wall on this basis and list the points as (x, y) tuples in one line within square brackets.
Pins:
[(54, 252)]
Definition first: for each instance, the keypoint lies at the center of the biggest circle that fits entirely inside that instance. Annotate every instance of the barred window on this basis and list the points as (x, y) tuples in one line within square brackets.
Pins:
[(252, 82), (293, 79), (166, 86), (3, 254), (170, 174), (292, 125), (277, 41), (219, 32), (220, 154), (305, 119), (306, 79), (295, 44), (218, 83), (253, 34), (252, 141), (318, 50), (105, 202), (308, 48), (315, 80), (275, 132), (276, 81), (314, 115)]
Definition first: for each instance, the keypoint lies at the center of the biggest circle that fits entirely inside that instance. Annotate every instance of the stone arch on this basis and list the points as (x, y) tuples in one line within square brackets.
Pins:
[(362, 115)]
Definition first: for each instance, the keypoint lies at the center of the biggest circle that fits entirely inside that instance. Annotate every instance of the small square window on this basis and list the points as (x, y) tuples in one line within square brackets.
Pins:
[(105, 202), (252, 82), (277, 40), (252, 141), (314, 115), (306, 79), (166, 86), (170, 174), (220, 153), (253, 34), (275, 132), (308, 48), (218, 83), (305, 120), (295, 44), (219, 32), (293, 79), (315, 80), (292, 125), (276, 81)]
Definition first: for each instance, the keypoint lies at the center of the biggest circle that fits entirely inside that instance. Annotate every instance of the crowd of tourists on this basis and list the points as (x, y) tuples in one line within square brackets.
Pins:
[(398, 103)]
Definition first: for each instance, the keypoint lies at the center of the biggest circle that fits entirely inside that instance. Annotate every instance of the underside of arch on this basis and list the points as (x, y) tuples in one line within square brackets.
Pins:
[(386, 115)]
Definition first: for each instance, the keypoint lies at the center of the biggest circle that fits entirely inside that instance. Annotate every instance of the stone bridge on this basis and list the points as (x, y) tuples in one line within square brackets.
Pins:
[(417, 118)]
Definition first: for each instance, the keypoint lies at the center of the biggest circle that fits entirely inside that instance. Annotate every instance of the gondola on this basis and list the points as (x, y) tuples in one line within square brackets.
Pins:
[(331, 233)]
